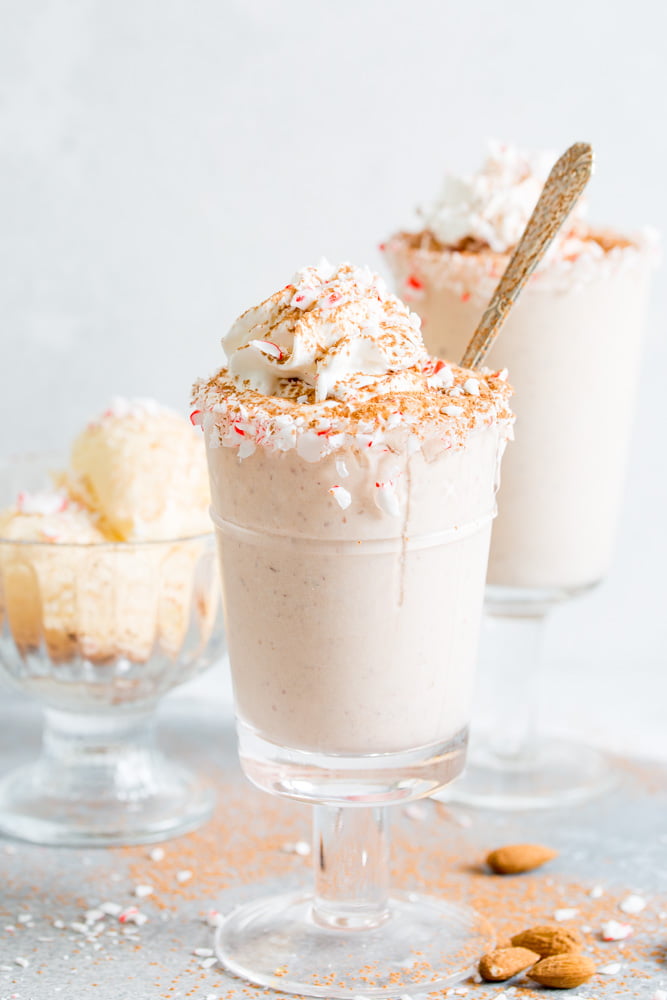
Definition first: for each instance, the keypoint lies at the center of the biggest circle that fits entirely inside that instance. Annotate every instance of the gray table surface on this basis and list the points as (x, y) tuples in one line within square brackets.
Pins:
[(608, 849)]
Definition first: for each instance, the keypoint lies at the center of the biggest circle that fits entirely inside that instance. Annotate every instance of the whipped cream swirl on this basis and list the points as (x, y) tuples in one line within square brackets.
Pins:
[(335, 330), (493, 205)]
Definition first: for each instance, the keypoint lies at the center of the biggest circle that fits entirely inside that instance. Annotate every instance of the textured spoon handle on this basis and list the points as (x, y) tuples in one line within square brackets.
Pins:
[(568, 178)]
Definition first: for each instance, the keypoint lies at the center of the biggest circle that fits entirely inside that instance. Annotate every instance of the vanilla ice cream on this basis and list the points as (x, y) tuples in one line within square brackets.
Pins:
[(142, 470), (572, 348), (352, 483)]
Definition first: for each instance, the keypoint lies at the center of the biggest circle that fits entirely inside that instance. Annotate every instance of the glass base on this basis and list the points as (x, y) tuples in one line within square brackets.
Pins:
[(154, 799), (339, 779), (424, 944), (559, 773)]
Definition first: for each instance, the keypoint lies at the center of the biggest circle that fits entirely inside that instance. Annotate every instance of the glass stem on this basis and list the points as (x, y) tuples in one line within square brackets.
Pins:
[(511, 676), (351, 866), (88, 756)]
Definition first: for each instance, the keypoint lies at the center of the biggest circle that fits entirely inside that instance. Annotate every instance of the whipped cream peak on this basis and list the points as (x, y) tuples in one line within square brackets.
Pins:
[(493, 205), (334, 329)]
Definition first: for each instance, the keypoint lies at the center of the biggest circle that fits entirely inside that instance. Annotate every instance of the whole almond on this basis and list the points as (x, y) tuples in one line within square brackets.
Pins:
[(546, 940), (562, 972), (503, 963), (516, 858)]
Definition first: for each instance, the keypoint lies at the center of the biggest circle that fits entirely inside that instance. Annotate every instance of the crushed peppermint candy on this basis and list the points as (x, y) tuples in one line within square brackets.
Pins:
[(632, 904), (471, 386), (386, 498), (611, 970), (142, 891), (111, 909), (268, 348), (342, 496), (659, 995), (23, 962), (614, 930), (301, 847), (596, 892), (132, 915), (46, 502), (214, 918), (202, 952), (207, 963), (566, 913), (184, 875), (156, 854)]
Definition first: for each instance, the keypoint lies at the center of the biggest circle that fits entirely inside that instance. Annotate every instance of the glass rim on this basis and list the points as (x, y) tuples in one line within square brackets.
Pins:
[(107, 543)]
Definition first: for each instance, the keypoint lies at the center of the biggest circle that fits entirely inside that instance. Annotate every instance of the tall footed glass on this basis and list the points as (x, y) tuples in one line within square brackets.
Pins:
[(572, 345), (352, 624)]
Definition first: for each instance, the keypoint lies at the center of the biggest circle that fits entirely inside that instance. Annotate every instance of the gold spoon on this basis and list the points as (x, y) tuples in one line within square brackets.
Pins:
[(568, 178)]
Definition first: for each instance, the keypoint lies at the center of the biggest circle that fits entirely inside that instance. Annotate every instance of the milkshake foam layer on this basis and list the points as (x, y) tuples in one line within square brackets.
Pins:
[(572, 346), (353, 482)]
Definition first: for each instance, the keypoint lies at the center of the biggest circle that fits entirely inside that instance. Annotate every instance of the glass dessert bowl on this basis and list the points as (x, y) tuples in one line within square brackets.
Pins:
[(97, 632), (353, 513)]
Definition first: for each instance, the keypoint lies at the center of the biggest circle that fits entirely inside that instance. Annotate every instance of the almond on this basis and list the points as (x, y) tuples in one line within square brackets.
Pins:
[(503, 963), (517, 858), (562, 972), (546, 940)]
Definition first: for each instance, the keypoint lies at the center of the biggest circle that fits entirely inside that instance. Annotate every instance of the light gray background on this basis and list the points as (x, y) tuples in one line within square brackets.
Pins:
[(166, 163)]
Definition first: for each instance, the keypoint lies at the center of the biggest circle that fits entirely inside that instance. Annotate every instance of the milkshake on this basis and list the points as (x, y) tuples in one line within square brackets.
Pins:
[(353, 487), (572, 344), (352, 490)]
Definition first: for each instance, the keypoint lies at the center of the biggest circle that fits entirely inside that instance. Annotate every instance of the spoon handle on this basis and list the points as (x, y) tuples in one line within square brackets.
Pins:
[(568, 178)]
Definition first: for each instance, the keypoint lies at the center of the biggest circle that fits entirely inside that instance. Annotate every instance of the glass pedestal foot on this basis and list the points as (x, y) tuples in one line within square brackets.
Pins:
[(558, 773), (36, 806), (101, 780), (423, 944)]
